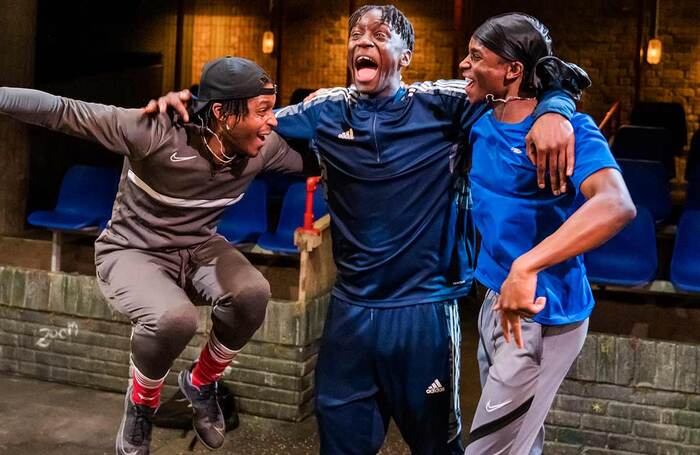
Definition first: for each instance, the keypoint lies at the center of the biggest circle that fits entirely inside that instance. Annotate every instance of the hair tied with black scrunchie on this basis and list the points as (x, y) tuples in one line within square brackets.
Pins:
[(553, 73)]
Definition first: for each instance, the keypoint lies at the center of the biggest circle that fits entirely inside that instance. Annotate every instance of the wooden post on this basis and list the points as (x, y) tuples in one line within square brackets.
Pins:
[(17, 47), (316, 267), (56, 243), (639, 53)]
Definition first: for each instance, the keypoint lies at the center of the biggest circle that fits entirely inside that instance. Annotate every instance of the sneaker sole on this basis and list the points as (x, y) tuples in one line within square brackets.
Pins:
[(180, 379), (120, 433)]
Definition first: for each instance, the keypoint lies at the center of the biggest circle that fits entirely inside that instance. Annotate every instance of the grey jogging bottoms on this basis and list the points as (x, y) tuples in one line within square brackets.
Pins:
[(519, 385)]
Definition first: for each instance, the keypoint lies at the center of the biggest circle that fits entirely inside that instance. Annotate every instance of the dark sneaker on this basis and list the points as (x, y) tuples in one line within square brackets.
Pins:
[(207, 419), (134, 435)]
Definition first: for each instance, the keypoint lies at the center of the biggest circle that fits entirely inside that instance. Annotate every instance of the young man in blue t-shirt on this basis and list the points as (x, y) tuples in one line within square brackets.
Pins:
[(530, 258)]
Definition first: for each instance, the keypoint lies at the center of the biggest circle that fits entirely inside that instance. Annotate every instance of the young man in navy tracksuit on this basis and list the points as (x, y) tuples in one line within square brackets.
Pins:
[(397, 193)]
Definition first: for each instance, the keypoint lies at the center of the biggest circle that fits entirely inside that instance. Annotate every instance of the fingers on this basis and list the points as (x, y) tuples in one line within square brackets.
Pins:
[(561, 167), (505, 326), (151, 108), (570, 155), (553, 174), (530, 149), (541, 167), (162, 104), (539, 304), (517, 333), (184, 95), (311, 95)]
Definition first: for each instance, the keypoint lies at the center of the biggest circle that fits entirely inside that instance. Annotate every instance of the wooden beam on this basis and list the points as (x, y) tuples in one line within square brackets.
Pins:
[(279, 18), (17, 50), (639, 54)]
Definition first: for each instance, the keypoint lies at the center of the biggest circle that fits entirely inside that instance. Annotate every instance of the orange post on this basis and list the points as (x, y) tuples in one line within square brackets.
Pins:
[(311, 184)]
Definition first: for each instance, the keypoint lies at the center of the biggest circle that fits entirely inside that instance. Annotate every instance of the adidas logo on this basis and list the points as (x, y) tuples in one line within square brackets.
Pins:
[(516, 150), (349, 135), (435, 387)]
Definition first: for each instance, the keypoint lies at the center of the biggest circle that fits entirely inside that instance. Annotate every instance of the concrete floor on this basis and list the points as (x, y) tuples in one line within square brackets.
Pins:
[(47, 418)]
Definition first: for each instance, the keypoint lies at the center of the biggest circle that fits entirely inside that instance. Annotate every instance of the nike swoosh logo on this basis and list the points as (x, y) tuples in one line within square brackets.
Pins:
[(495, 407), (174, 158)]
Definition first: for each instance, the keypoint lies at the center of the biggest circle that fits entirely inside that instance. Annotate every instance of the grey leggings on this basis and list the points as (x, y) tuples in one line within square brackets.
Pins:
[(519, 385), (158, 291)]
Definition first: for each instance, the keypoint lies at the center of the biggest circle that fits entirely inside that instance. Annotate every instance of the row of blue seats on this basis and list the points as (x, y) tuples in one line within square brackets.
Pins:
[(649, 187), (630, 258), (246, 221), (87, 194)]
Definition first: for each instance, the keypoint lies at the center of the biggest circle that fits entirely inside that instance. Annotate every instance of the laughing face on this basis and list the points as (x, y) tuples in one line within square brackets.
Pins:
[(247, 136), (376, 56), (486, 72)]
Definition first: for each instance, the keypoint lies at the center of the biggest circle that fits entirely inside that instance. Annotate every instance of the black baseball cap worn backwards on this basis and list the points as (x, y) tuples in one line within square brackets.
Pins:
[(229, 78)]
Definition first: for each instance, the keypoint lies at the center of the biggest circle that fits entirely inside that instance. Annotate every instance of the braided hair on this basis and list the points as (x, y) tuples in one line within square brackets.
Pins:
[(391, 16)]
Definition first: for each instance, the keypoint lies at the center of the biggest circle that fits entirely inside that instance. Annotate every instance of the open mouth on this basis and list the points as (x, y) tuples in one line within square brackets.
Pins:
[(365, 68), (470, 84)]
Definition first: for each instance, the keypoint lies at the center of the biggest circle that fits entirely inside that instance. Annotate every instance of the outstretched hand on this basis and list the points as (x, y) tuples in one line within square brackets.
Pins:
[(172, 100), (517, 300), (550, 143)]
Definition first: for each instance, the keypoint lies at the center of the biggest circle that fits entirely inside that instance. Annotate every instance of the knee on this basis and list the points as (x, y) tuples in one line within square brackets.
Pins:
[(250, 297), (178, 324)]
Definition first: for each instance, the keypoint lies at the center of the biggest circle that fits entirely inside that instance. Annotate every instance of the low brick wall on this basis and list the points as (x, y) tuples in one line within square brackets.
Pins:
[(59, 327), (622, 396), (625, 395)]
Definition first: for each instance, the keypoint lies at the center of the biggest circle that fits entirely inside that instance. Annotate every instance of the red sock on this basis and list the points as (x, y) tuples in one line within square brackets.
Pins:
[(145, 391), (213, 360)]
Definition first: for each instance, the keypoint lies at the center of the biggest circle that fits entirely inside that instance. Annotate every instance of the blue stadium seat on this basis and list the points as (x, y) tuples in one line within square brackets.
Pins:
[(84, 205), (292, 217), (692, 196), (663, 115), (648, 186), (685, 263), (692, 167), (246, 220), (629, 258), (84, 201), (645, 143)]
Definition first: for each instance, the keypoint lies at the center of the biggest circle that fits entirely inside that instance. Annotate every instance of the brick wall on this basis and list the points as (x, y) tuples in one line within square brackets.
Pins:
[(601, 36), (58, 327), (622, 396), (677, 77), (432, 24), (314, 51), (224, 27), (626, 395)]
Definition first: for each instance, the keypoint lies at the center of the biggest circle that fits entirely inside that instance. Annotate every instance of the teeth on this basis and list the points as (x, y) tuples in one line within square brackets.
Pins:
[(364, 57)]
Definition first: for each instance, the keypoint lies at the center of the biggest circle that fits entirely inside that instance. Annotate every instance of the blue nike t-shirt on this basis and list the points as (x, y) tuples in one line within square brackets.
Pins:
[(513, 214)]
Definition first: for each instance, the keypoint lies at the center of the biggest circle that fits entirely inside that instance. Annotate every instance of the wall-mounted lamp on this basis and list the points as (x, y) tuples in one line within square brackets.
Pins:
[(654, 51), (654, 46), (268, 42)]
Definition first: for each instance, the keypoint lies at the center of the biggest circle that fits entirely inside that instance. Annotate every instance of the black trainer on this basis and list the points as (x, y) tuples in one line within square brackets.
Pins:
[(134, 435), (207, 419)]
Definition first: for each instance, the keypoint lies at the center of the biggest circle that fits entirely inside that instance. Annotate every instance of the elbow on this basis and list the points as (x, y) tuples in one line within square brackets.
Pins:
[(622, 210)]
